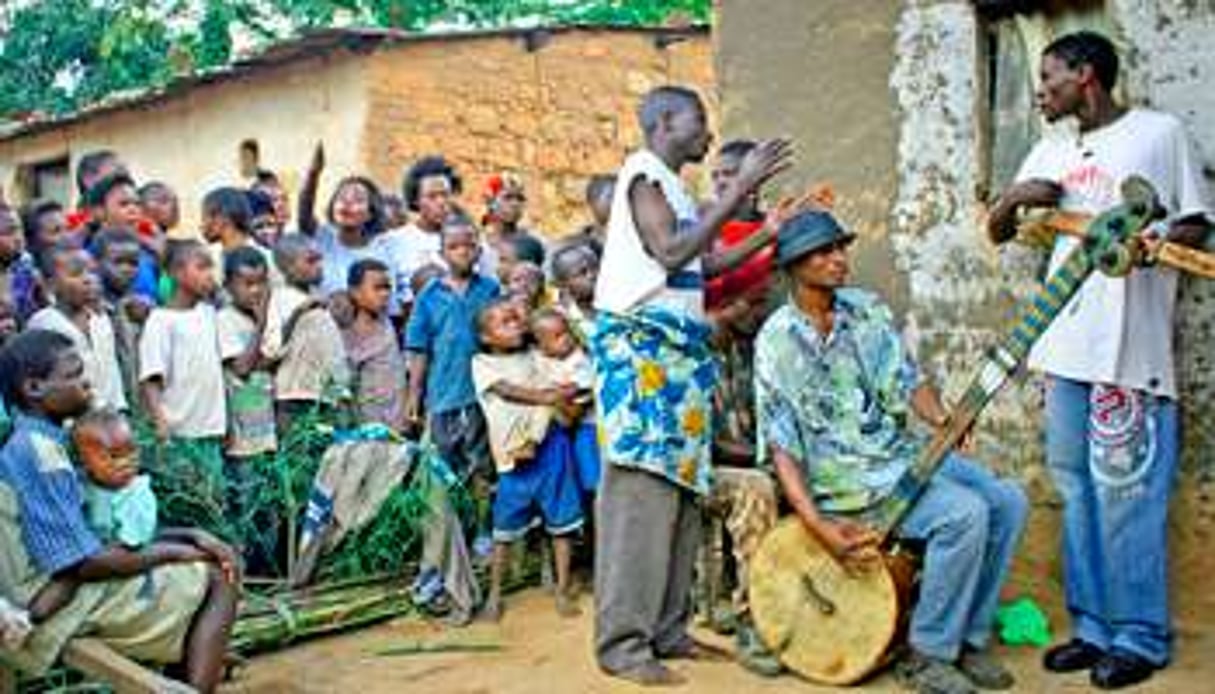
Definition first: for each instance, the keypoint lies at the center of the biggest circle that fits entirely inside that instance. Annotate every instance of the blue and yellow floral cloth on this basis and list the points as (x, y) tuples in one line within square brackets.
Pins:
[(654, 380)]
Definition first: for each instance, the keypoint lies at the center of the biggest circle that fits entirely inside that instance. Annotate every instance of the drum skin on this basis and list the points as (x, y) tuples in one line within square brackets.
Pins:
[(825, 624)]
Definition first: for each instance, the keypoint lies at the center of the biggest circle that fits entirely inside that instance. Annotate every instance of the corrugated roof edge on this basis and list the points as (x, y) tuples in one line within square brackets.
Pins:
[(355, 39)]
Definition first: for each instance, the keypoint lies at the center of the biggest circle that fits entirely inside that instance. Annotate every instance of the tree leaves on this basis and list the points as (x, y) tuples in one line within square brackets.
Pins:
[(58, 55)]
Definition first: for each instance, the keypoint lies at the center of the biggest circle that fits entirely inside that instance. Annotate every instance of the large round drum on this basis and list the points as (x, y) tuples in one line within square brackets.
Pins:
[(823, 623)]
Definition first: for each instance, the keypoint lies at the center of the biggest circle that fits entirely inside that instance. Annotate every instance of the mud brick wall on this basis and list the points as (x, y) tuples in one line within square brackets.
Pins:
[(555, 108)]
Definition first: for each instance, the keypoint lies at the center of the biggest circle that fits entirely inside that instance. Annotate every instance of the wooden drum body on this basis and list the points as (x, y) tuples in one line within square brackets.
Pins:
[(823, 623)]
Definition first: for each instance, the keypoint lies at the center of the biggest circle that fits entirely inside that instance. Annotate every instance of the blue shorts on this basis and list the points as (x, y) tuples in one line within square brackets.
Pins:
[(586, 456), (545, 484)]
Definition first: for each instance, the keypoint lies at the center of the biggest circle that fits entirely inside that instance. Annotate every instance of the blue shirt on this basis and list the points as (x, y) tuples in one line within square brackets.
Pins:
[(443, 326), (147, 276), (838, 404), (35, 464)]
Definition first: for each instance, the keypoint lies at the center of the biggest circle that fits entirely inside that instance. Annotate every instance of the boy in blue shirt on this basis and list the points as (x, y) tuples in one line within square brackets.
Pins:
[(441, 339)]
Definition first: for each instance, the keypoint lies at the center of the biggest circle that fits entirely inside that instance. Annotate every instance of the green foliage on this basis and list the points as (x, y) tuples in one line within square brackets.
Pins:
[(58, 55)]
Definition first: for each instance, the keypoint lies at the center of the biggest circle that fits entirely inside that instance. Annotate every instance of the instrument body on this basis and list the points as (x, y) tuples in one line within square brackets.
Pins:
[(1047, 223), (837, 628)]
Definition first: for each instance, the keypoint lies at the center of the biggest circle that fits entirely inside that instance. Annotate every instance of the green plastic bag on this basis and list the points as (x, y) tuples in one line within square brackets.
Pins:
[(1023, 623)]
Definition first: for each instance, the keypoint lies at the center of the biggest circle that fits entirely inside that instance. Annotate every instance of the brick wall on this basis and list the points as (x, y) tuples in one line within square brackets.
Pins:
[(556, 114)]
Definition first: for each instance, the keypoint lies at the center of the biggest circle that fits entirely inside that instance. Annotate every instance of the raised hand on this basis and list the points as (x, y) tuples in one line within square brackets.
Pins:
[(769, 158)]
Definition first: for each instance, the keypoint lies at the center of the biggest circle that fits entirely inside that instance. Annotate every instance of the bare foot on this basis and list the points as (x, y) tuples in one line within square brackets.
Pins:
[(492, 611), (653, 674), (567, 605), (461, 618)]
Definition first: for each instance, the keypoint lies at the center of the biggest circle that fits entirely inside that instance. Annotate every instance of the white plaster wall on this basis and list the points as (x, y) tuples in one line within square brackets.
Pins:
[(1171, 66), (958, 292), (962, 290)]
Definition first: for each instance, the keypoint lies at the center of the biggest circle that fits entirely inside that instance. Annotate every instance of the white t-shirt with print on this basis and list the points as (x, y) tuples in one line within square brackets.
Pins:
[(1117, 331), (181, 346)]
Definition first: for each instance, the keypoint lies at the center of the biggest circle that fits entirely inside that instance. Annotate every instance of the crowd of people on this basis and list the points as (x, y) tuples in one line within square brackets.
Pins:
[(616, 377)]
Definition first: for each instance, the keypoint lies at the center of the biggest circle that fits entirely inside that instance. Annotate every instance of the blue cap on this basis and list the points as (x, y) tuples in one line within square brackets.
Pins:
[(807, 232)]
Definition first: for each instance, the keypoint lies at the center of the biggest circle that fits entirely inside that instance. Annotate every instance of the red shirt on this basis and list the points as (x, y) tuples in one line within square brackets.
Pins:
[(755, 272)]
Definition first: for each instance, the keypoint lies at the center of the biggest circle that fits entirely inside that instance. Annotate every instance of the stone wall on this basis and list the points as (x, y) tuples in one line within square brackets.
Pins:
[(555, 108)]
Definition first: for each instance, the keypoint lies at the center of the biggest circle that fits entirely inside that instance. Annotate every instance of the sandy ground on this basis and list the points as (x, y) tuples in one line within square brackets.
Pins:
[(540, 652)]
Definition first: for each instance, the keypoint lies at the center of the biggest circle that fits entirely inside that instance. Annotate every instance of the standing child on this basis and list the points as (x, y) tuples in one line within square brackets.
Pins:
[(301, 338), (8, 328), (525, 285), (20, 282), (77, 293), (375, 356), (118, 253), (227, 223), (247, 378), (441, 339), (249, 387), (182, 381), (575, 270), (531, 454)]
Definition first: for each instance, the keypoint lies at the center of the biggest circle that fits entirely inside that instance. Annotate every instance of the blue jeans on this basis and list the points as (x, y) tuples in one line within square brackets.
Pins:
[(971, 521), (1113, 456)]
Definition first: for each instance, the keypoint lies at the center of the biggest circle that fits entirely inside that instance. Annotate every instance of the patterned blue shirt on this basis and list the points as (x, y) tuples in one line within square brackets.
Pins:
[(35, 464), (443, 326), (838, 404)]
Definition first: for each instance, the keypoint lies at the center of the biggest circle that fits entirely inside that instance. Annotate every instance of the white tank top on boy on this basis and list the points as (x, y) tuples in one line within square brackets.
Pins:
[(629, 277), (1117, 331)]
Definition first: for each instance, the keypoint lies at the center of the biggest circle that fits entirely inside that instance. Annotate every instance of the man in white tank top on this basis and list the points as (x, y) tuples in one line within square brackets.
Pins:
[(654, 377)]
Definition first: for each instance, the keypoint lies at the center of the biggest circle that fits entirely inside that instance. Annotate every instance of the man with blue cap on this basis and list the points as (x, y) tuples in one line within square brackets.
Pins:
[(834, 390)]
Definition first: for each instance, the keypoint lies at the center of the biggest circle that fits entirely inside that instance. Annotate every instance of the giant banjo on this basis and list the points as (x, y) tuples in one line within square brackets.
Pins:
[(834, 627)]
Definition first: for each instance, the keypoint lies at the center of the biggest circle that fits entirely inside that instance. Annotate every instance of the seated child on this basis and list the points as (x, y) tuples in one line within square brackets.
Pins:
[(172, 601), (118, 500), (531, 455), (562, 363), (376, 362), (301, 338)]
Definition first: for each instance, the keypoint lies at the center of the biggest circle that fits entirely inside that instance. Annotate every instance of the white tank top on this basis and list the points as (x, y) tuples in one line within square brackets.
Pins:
[(629, 277)]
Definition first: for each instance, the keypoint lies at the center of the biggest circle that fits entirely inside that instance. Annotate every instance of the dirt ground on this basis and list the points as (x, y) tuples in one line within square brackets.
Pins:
[(540, 652)]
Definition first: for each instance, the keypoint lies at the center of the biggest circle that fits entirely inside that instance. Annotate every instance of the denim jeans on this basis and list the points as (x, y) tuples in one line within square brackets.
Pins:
[(1113, 456), (971, 521)]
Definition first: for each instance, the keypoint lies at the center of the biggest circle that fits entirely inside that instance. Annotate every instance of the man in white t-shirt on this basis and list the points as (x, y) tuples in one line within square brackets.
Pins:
[(654, 376), (429, 188), (1111, 408)]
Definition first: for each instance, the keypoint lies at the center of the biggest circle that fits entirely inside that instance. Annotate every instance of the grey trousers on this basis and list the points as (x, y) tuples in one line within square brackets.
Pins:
[(648, 532)]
